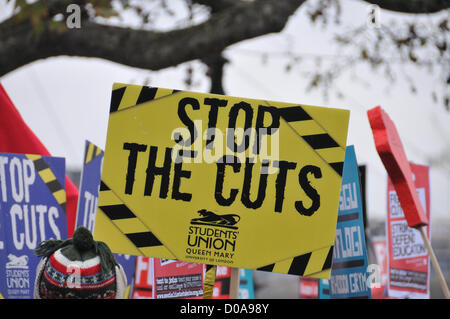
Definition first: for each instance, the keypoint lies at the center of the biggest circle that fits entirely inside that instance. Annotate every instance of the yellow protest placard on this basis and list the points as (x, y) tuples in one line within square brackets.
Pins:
[(221, 180)]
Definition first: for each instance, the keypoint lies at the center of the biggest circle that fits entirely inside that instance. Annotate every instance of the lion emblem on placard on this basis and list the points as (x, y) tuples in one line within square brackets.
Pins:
[(17, 262), (212, 219)]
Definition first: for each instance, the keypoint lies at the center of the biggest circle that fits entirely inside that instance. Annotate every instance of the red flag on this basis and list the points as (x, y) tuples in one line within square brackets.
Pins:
[(17, 137)]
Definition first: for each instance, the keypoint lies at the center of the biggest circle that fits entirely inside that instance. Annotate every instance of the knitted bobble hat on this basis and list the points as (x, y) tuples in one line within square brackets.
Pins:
[(78, 268)]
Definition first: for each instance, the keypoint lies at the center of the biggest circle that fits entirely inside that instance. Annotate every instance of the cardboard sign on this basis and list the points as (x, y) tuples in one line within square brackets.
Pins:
[(314, 288), (409, 262), (324, 289), (392, 154), (3, 251), (144, 278), (167, 279), (32, 209), (89, 186), (308, 288), (379, 291), (177, 279), (217, 180), (349, 273), (221, 289), (246, 288), (88, 200)]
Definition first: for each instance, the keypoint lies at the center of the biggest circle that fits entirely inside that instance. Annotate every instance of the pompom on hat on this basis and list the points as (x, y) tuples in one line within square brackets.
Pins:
[(78, 268)]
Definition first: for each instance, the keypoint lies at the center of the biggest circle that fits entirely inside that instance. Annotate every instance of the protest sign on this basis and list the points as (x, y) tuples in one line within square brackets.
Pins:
[(222, 284), (88, 202), (409, 261), (3, 254), (143, 278), (392, 154), (89, 186), (188, 176), (349, 273), (32, 209), (324, 289), (314, 288), (390, 149), (308, 288), (246, 288), (221, 288), (177, 279), (379, 291), (157, 278)]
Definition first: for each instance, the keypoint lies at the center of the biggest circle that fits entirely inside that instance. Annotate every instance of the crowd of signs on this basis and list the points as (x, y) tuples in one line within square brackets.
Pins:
[(31, 214), (402, 268), (330, 256)]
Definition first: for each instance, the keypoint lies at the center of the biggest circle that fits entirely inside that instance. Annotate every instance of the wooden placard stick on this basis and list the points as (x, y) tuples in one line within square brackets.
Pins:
[(234, 283), (435, 263)]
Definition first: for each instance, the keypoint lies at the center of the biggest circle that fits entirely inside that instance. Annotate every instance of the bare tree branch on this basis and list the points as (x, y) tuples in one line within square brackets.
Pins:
[(412, 6), (20, 45), (217, 5), (215, 65)]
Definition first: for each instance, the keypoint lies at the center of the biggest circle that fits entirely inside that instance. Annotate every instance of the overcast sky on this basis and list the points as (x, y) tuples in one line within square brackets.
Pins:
[(66, 100)]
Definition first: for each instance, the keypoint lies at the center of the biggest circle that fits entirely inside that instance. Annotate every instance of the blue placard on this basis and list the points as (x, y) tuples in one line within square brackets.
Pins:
[(32, 209), (246, 289), (88, 200), (324, 289), (89, 186), (349, 273)]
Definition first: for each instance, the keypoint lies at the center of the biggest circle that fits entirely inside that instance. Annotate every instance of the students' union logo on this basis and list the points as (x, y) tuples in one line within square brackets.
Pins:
[(210, 218)]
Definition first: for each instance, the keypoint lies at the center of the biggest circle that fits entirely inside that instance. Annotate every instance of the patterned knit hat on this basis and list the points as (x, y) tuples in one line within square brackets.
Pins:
[(78, 268)]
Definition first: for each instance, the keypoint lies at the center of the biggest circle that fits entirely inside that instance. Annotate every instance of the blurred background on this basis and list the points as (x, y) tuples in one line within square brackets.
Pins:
[(59, 59)]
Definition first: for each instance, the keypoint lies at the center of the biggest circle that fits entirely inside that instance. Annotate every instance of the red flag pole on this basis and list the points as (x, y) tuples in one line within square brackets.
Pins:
[(234, 283)]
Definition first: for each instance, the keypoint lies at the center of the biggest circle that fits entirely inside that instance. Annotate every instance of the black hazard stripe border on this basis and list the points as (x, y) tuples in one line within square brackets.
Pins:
[(315, 141), (49, 179), (91, 151), (146, 94), (289, 114), (121, 211), (300, 263)]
